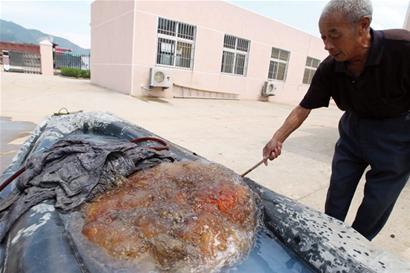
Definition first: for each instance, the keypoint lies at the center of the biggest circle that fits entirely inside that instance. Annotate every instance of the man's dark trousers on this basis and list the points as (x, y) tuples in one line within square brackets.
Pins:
[(382, 144)]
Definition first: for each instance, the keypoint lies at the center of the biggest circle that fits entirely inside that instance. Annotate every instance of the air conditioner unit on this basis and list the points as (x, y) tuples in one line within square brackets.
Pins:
[(160, 78), (268, 89)]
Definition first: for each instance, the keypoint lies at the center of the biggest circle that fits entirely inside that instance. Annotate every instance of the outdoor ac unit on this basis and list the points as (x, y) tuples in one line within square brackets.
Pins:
[(268, 89), (160, 78)]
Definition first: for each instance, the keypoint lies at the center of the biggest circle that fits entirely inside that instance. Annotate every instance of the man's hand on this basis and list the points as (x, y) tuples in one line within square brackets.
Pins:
[(272, 150)]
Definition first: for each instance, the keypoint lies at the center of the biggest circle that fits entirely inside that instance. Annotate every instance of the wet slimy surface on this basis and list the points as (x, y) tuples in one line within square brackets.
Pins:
[(185, 215)]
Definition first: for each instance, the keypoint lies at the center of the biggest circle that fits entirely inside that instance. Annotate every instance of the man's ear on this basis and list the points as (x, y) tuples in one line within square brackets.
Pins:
[(364, 23)]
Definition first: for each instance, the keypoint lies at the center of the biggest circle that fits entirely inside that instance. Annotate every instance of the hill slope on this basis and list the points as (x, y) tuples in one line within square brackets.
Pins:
[(12, 32)]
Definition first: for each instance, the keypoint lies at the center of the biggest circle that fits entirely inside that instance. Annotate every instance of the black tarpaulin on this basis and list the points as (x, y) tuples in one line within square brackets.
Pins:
[(73, 171)]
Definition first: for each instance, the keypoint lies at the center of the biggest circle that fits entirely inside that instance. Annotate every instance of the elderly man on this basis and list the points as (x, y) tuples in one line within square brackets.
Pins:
[(367, 73)]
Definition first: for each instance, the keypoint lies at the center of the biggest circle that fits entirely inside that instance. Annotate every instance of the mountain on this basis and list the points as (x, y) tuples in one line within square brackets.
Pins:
[(12, 32)]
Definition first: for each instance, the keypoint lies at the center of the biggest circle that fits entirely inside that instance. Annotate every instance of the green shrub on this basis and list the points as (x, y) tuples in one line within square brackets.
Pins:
[(75, 72), (70, 72), (85, 74)]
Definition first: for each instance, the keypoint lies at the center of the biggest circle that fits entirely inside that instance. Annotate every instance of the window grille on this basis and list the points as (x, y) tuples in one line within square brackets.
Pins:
[(310, 69), (183, 54), (166, 51), (240, 64), (166, 27), (243, 45), (175, 43), (229, 41), (235, 55), (278, 64), (186, 31), (228, 59)]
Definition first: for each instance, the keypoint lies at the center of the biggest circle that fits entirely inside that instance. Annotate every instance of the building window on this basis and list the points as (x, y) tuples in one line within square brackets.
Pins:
[(175, 43), (235, 55), (278, 64), (310, 69)]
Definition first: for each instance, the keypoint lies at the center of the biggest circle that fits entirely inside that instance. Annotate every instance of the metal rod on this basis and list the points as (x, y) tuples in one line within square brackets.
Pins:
[(254, 167)]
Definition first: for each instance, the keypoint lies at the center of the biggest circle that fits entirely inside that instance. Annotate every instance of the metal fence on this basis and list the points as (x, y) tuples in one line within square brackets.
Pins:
[(71, 60), (23, 62)]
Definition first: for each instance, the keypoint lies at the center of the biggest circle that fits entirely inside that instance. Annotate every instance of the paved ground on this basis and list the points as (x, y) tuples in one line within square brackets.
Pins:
[(232, 133)]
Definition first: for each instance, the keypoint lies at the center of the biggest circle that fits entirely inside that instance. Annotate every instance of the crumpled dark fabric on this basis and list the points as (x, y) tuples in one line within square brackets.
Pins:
[(73, 171)]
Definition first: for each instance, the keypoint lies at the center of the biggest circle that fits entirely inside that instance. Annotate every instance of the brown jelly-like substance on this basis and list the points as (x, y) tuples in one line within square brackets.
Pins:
[(184, 212)]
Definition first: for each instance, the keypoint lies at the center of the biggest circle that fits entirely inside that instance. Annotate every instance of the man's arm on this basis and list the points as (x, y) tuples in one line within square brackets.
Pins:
[(274, 147)]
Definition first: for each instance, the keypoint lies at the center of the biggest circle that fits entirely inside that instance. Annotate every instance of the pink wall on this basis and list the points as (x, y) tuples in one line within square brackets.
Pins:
[(111, 44), (213, 19)]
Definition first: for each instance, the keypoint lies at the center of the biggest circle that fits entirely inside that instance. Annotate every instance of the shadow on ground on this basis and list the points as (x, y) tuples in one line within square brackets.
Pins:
[(317, 143), (152, 99)]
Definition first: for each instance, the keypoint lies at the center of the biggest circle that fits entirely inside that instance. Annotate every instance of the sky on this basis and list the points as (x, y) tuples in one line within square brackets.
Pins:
[(71, 19), (67, 19)]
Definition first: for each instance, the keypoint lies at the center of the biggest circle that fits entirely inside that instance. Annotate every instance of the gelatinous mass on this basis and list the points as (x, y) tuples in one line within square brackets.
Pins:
[(185, 214)]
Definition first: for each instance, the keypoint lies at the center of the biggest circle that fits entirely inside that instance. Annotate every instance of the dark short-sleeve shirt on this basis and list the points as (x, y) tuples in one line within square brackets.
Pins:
[(383, 88)]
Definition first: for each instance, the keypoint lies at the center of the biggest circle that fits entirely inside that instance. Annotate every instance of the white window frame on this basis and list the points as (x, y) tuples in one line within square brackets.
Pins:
[(176, 39), (278, 60), (312, 70), (236, 52)]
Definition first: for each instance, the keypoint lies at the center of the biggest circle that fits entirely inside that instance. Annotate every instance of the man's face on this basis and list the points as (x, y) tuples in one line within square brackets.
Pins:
[(340, 36)]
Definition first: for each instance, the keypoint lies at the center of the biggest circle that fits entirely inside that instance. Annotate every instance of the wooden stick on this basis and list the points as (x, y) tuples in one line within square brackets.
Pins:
[(254, 167)]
